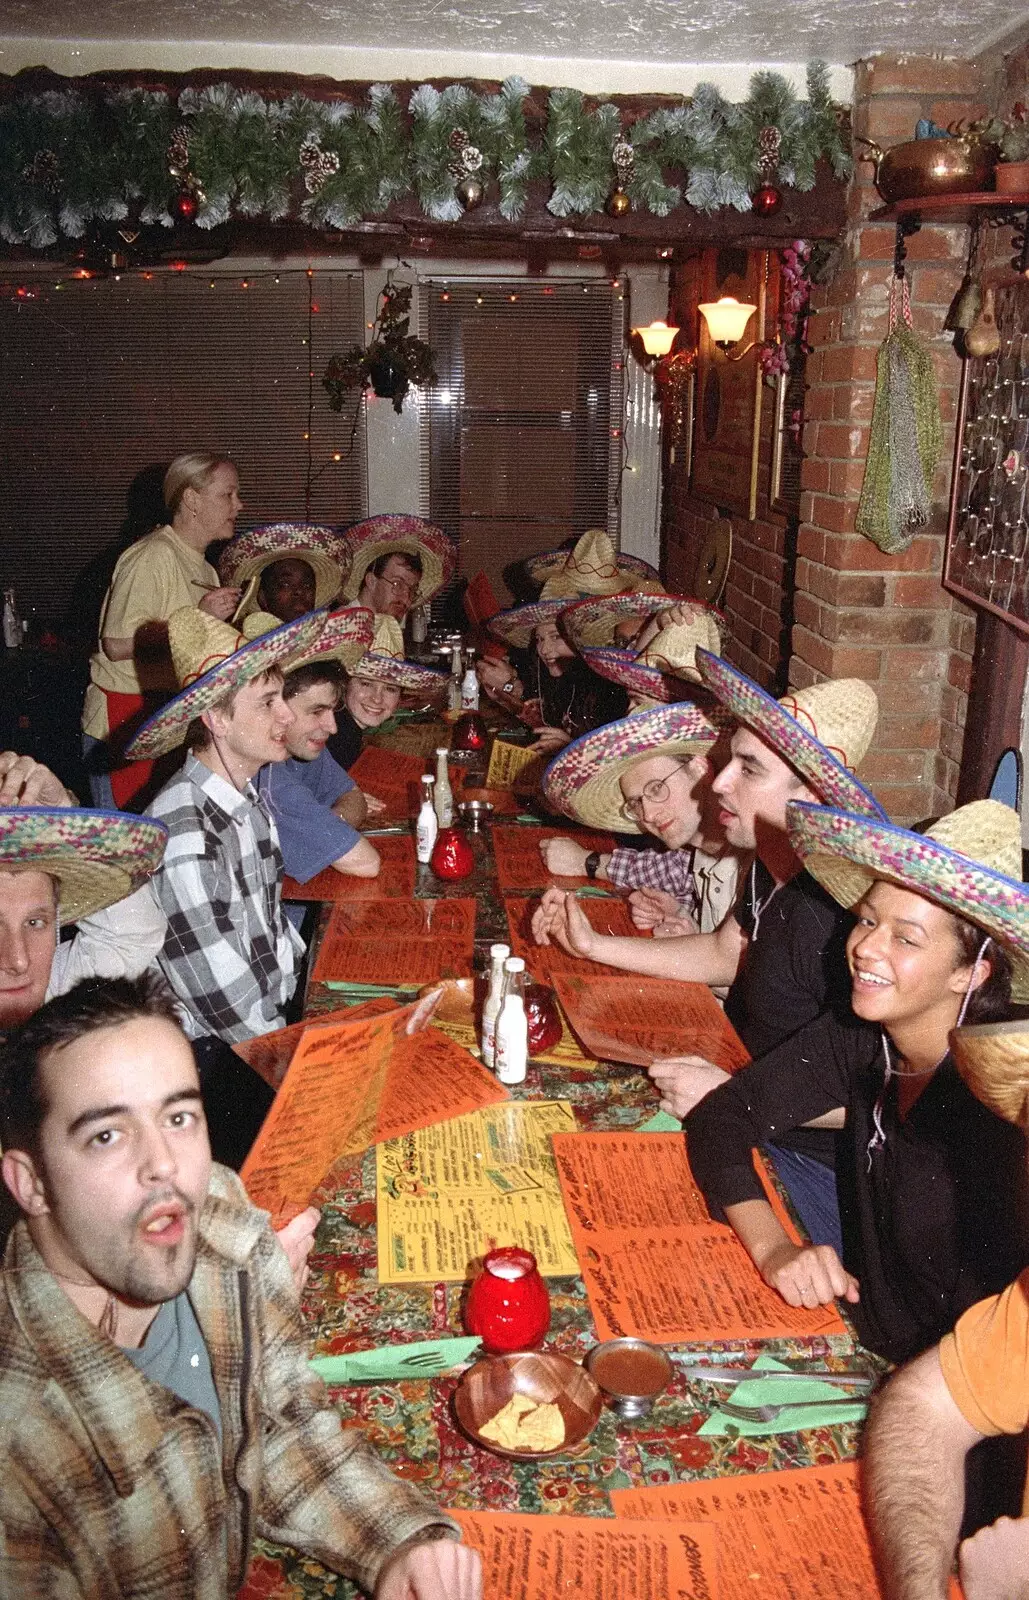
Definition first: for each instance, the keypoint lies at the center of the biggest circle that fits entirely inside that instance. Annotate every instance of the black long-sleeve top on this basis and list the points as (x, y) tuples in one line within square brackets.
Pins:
[(935, 1212)]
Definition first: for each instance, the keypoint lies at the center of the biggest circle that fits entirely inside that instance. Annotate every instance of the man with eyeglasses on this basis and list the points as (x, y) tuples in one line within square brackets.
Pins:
[(396, 561), (687, 887), (390, 585), (781, 950)]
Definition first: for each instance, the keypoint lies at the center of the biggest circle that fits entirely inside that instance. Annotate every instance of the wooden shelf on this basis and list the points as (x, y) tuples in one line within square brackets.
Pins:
[(944, 208)]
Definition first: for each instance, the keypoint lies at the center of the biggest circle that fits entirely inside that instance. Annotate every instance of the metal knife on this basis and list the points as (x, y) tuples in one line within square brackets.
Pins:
[(699, 1373)]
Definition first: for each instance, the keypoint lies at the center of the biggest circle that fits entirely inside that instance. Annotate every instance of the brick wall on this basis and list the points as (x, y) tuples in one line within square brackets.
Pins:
[(854, 611)]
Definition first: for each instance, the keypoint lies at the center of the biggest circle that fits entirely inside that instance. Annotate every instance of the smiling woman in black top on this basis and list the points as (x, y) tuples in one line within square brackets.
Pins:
[(932, 1185)]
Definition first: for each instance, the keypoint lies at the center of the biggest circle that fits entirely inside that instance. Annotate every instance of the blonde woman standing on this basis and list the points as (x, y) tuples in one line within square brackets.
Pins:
[(130, 670)]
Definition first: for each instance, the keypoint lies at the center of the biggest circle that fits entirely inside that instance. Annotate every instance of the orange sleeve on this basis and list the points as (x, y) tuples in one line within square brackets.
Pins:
[(985, 1361)]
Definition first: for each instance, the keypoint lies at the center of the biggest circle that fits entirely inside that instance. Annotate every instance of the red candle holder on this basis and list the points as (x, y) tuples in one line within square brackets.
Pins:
[(452, 856), (508, 1305), (470, 733)]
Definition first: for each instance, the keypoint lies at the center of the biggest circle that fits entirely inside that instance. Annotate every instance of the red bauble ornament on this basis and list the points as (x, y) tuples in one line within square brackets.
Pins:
[(508, 1305), (185, 206), (452, 856), (543, 1018), (767, 200)]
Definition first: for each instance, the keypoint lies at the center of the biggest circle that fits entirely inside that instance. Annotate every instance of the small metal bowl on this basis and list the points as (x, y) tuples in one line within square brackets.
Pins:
[(631, 1373), (476, 813)]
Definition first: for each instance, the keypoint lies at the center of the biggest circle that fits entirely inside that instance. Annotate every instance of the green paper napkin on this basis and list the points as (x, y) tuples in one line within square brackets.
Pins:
[(661, 1122), (392, 1362), (367, 991), (764, 1391)]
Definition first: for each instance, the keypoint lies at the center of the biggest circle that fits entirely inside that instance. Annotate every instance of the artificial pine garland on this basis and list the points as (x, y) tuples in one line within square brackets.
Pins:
[(67, 160)]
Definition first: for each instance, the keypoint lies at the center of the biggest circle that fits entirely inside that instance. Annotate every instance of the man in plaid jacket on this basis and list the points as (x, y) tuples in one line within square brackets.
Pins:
[(156, 1407)]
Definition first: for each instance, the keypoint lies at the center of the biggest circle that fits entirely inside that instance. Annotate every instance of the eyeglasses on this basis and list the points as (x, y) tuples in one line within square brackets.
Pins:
[(402, 585), (654, 793)]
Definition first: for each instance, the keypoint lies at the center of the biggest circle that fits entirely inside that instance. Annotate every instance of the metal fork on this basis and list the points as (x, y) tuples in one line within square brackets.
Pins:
[(731, 1408)]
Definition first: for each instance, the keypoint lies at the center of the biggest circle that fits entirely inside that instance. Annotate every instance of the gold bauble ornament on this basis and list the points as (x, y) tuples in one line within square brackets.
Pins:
[(618, 203), (470, 192)]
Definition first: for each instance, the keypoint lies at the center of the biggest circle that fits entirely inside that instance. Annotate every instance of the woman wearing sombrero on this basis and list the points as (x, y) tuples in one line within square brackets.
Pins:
[(566, 698), (374, 683), (932, 1185), (284, 569)]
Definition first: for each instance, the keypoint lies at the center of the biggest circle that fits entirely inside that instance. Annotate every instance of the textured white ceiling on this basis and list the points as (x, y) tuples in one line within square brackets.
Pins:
[(640, 31)]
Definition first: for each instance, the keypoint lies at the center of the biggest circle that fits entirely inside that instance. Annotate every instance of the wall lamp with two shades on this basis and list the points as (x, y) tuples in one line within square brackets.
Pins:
[(726, 320)]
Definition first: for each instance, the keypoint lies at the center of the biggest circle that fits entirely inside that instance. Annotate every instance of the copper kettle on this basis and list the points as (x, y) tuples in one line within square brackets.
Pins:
[(921, 168)]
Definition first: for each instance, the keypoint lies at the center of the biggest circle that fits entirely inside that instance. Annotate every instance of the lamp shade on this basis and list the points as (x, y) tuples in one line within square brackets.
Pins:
[(726, 318), (657, 339)]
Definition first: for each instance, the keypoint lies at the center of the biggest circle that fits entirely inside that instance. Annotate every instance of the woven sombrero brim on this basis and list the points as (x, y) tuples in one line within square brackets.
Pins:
[(399, 674), (847, 853), (583, 781), (993, 1059), (542, 567), (280, 648), (391, 534), (621, 666), (249, 553), (515, 626), (748, 703), (345, 637), (590, 624), (97, 857)]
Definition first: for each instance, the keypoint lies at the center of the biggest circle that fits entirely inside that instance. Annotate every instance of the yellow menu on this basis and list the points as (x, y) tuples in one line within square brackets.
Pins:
[(449, 1193)]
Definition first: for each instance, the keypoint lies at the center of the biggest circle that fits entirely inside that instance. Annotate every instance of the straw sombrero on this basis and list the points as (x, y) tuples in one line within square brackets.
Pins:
[(393, 534), (97, 857), (248, 554), (667, 669), (345, 636), (583, 781), (970, 863), (993, 1059), (590, 570), (823, 732), (544, 566), (211, 659), (385, 662), (590, 624)]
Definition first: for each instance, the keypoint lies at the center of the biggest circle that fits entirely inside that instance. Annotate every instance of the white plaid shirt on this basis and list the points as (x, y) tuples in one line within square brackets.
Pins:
[(229, 954)]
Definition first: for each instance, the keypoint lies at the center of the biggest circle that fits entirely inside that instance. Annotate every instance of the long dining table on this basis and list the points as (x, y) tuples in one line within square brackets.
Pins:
[(411, 1422)]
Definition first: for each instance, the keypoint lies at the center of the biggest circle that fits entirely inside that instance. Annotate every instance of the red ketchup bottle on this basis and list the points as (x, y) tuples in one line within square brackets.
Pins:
[(452, 856), (508, 1305)]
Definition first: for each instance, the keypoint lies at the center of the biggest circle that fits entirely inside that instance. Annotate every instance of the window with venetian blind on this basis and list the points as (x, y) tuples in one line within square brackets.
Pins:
[(101, 380), (522, 443)]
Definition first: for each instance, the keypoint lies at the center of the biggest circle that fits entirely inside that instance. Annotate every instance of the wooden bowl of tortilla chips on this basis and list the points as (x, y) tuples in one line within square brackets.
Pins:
[(532, 1404)]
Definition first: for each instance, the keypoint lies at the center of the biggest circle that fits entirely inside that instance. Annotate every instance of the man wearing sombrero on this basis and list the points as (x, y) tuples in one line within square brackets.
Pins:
[(60, 864), (973, 1385), (396, 562), (284, 568), (316, 805), (230, 955), (781, 951), (934, 1192)]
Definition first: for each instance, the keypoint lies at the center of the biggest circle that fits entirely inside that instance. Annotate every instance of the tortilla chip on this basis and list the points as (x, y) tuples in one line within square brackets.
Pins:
[(522, 1425)]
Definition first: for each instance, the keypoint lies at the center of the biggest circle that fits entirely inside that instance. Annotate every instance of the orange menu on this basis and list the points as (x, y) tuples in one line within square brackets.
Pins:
[(654, 1264), (271, 1053), (395, 879), (542, 1558), (793, 1535), (605, 914), (352, 1085), (399, 941), (391, 778), (516, 852), (623, 1017)]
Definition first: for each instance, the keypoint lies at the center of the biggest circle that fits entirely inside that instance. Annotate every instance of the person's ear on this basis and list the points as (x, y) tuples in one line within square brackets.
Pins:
[(214, 720), (699, 767), (970, 976), (24, 1182)]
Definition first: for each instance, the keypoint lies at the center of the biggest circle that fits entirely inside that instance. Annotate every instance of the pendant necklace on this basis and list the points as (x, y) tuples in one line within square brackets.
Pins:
[(758, 907)]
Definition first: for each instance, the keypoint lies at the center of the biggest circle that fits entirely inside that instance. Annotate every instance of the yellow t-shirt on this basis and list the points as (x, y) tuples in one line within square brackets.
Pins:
[(985, 1363), (154, 577)]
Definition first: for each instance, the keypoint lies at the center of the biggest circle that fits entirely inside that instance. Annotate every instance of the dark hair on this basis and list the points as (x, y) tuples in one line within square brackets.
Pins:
[(408, 557), (314, 672), (93, 1004), (991, 1002)]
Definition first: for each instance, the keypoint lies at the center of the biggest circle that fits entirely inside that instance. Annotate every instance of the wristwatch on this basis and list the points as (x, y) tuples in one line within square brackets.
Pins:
[(592, 863)]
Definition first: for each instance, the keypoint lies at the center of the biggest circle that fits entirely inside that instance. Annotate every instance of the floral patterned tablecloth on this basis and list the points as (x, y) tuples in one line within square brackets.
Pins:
[(412, 1423)]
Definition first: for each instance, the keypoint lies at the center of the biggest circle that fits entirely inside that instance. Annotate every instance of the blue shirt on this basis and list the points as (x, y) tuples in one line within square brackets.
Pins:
[(300, 796)]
